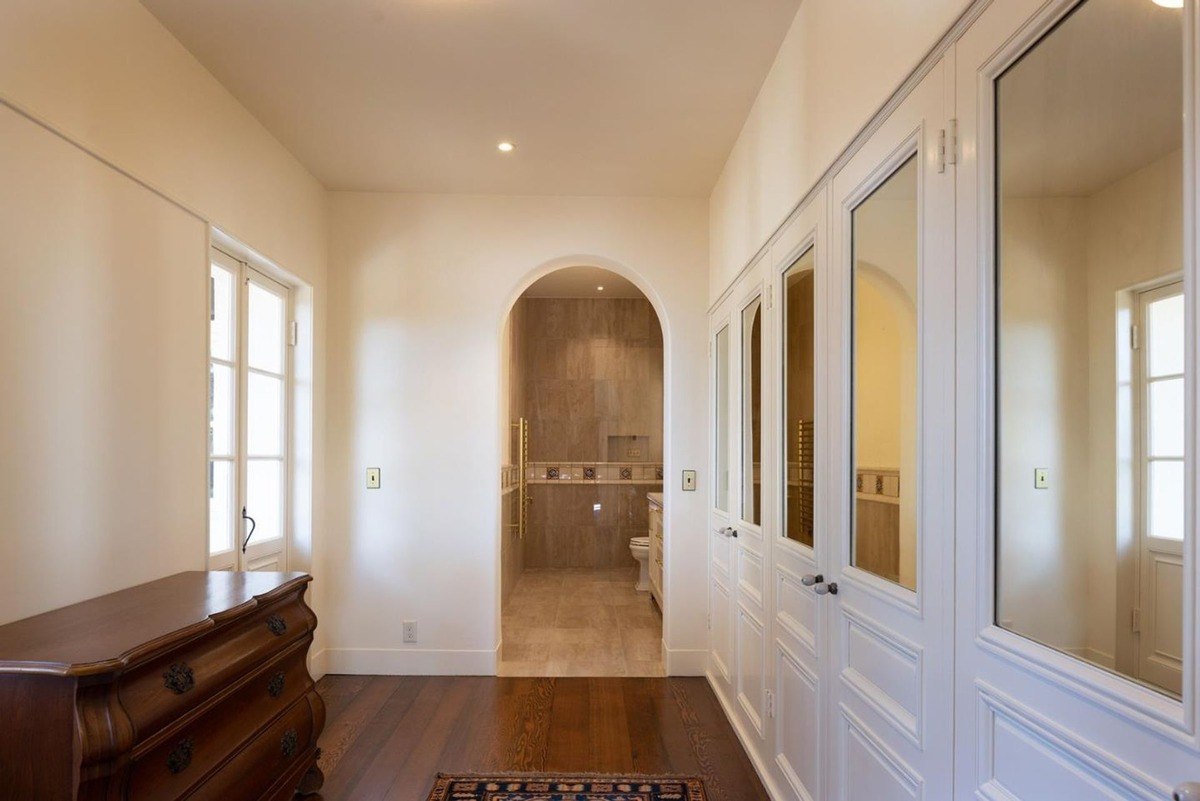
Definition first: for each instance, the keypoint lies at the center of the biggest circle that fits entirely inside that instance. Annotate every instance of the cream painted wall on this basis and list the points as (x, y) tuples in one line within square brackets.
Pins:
[(107, 76), (420, 288), (839, 62), (102, 339), (1043, 381)]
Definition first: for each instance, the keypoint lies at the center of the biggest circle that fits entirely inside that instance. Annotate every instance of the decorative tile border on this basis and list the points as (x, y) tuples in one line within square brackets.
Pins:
[(595, 473), (884, 483)]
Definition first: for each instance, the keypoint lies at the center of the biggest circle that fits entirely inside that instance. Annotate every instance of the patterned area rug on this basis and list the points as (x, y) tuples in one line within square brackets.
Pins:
[(566, 787)]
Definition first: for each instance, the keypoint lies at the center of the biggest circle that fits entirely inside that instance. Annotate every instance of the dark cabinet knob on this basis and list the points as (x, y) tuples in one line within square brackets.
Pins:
[(277, 625), (288, 743), (181, 755), (275, 685), (179, 678)]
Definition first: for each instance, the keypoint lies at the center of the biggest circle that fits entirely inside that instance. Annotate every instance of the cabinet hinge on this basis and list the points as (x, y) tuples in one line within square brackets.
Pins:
[(770, 297), (1135, 620), (1135, 337), (708, 621), (770, 703), (212, 299), (948, 145), (294, 334)]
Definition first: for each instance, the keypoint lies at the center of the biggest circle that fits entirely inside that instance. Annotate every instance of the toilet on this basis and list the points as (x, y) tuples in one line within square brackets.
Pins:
[(640, 548)]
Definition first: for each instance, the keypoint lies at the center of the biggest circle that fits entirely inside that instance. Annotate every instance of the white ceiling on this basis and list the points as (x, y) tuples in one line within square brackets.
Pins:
[(581, 282), (1097, 99), (602, 97)]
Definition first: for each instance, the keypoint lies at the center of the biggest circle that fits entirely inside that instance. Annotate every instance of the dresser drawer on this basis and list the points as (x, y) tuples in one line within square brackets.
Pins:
[(273, 754), (156, 693), (184, 757)]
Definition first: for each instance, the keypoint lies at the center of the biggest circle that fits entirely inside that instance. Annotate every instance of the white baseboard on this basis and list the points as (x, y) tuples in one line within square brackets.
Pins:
[(408, 662), (316, 665), (748, 743), (684, 662)]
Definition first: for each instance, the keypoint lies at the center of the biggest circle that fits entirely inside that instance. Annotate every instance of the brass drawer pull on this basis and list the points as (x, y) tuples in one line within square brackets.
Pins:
[(179, 678), (275, 685), (181, 756), (289, 742), (277, 625)]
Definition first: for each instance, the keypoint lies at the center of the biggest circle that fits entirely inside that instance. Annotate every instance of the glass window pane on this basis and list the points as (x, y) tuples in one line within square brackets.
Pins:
[(721, 473), (220, 506), (1166, 500), (265, 334), (1088, 165), (221, 326), (264, 498), (799, 399), (1165, 337), (264, 415), (220, 410), (752, 412), (1166, 417), (884, 231)]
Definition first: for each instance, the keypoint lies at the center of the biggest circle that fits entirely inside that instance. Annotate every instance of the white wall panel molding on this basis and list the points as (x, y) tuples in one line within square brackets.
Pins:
[(885, 672), (892, 777), (1012, 736)]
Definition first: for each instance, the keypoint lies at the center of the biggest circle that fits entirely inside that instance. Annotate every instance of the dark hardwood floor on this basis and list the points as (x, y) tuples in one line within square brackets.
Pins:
[(387, 737)]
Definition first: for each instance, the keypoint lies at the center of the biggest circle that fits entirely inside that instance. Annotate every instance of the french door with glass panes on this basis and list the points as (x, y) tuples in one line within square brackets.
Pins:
[(248, 428), (1075, 493)]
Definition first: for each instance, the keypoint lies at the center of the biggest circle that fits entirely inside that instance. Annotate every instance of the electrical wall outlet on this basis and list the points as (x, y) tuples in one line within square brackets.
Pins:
[(372, 478), (689, 480), (410, 631)]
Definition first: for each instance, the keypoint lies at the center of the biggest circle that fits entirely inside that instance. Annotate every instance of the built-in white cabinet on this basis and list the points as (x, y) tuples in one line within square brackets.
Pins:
[(655, 558), (953, 432)]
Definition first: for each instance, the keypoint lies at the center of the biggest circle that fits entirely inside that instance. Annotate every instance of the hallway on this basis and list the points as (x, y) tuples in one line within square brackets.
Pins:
[(387, 737)]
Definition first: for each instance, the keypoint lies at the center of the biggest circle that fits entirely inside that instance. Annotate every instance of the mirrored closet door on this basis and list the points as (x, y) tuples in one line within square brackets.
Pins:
[(887, 592), (1076, 489)]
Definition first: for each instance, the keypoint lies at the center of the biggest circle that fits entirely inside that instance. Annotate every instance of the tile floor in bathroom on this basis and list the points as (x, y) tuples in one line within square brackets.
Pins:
[(581, 622)]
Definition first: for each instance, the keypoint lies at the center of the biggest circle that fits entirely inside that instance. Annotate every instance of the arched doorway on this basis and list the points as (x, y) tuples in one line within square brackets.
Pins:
[(581, 542)]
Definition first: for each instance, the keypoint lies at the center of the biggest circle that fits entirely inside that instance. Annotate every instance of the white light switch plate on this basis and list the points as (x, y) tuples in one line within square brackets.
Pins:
[(1041, 478), (689, 480), (372, 478)]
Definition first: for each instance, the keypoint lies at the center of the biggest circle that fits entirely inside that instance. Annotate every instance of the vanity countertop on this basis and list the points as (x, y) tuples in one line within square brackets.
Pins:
[(655, 498)]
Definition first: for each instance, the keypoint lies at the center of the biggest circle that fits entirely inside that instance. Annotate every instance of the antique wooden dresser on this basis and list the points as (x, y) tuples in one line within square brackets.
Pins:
[(195, 686)]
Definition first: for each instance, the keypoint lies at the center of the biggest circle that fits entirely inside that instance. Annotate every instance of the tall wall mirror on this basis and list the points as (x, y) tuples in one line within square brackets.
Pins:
[(751, 384), (721, 435), (884, 427), (799, 401), (1090, 340)]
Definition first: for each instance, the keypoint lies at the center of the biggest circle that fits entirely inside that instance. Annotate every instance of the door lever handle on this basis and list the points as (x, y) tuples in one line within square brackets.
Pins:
[(253, 526), (1186, 791)]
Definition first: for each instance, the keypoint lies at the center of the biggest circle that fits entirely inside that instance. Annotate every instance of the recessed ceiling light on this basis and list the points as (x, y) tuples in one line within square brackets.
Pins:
[(1169, 3), (506, 147), (599, 289)]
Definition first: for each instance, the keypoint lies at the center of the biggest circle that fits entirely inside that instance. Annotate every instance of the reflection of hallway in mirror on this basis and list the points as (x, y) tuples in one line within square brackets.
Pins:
[(1089, 467)]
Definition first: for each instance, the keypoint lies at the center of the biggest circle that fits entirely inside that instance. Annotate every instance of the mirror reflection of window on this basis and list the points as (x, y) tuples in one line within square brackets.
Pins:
[(799, 399), (1090, 340), (752, 412), (884, 235), (721, 371)]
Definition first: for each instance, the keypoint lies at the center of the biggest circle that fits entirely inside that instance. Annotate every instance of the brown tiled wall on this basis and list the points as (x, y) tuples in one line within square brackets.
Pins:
[(592, 369), (566, 531)]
